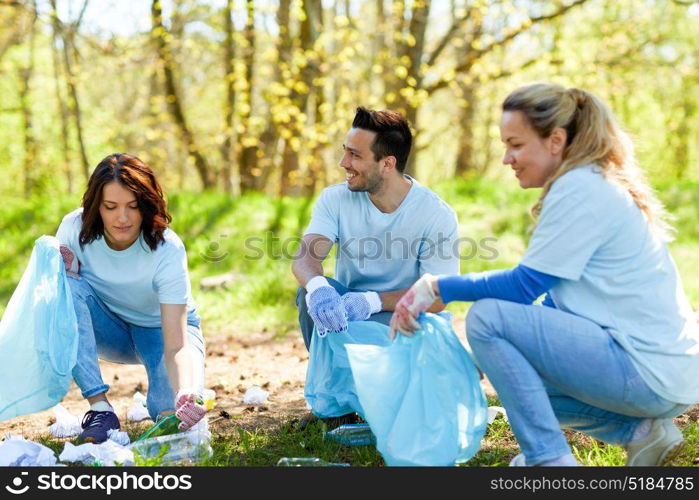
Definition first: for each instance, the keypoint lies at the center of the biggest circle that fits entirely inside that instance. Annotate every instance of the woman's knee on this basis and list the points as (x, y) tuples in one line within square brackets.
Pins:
[(481, 320), (79, 287)]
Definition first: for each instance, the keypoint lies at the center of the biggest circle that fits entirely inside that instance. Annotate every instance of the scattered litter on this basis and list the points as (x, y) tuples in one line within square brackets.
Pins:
[(209, 399), (307, 462), (187, 447), (493, 413), (138, 410), (66, 425), (119, 437), (352, 435), (108, 453), (255, 396), (16, 451)]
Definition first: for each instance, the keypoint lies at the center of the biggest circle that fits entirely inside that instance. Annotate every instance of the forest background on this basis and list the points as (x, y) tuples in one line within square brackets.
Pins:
[(241, 108)]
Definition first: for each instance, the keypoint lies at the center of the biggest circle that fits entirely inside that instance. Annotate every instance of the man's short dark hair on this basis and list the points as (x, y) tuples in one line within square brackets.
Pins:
[(393, 136)]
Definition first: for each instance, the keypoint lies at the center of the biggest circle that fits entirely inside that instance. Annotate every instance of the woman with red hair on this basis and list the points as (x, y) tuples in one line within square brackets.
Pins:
[(130, 287)]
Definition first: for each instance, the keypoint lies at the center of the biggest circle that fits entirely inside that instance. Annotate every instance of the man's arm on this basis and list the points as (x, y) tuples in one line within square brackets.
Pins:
[(390, 299), (308, 261)]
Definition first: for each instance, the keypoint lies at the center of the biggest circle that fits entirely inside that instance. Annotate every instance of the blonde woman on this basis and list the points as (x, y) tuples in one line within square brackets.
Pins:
[(614, 350)]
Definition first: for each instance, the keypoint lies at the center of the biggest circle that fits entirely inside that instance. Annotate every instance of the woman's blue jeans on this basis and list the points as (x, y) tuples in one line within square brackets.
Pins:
[(103, 335), (552, 369)]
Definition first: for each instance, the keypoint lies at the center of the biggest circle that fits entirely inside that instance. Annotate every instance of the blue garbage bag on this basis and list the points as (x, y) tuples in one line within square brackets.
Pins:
[(421, 396), (38, 336), (329, 389)]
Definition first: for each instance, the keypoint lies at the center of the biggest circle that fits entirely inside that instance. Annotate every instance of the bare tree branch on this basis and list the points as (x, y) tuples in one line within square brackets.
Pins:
[(475, 55)]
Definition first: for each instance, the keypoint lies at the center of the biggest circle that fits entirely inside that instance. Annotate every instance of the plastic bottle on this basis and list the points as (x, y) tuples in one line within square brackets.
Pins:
[(182, 448), (352, 435), (166, 426), (307, 462)]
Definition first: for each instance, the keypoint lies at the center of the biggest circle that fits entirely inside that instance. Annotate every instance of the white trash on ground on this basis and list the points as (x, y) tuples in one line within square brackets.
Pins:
[(66, 425), (108, 453), (138, 410), (119, 437), (255, 396), (15, 451), (493, 413)]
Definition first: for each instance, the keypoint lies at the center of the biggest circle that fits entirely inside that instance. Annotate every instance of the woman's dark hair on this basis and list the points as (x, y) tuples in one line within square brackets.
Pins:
[(138, 178), (393, 136)]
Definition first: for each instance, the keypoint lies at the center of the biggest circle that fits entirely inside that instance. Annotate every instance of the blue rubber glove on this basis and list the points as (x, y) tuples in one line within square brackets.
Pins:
[(361, 305), (326, 309)]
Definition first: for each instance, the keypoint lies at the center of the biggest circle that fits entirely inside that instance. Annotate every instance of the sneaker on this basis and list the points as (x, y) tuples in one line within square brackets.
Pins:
[(96, 425), (661, 445)]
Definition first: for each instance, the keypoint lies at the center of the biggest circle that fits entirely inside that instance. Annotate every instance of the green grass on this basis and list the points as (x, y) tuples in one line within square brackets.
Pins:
[(255, 237)]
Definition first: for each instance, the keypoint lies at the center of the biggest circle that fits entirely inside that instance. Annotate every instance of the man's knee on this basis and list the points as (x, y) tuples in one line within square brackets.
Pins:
[(481, 319)]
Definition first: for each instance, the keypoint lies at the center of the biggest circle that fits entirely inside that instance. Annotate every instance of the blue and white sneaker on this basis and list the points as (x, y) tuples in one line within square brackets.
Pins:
[(96, 425)]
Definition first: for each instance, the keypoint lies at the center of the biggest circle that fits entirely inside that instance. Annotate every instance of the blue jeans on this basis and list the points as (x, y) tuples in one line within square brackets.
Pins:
[(306, 322), (552, 369), (103, 334)]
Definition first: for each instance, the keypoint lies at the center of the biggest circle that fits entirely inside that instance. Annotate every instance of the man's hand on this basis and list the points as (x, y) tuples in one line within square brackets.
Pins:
[(361, 305), (416, 300), (187, 409), (325, 307)]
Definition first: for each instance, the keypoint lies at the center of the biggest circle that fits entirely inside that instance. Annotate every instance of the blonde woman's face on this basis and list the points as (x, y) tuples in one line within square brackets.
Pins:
[(532, 158)]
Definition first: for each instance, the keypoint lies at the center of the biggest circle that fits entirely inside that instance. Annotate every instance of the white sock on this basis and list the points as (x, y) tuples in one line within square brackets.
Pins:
[(567, 460), (101, 406), (642, 430)]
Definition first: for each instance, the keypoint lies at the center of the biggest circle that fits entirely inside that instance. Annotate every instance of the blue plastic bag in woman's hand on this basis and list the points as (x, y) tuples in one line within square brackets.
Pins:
[(38, 336), (421, 396)]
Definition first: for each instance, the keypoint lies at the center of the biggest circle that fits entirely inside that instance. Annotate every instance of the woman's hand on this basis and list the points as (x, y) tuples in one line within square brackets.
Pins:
[(187, 409), (417, 299)]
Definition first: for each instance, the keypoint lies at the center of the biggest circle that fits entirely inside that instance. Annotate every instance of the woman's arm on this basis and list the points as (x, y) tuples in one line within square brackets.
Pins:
[(179, 359)]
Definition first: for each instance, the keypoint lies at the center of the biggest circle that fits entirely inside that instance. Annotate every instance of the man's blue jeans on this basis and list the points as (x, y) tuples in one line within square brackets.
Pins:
[(306, 322), (103, 334), (552, 369)]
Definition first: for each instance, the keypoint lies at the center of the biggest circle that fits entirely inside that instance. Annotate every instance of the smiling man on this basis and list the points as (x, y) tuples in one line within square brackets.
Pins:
[(390, 230)]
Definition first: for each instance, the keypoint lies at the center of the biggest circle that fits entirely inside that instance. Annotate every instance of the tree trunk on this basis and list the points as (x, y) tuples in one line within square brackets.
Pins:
[(62, 107), (30, 150), (227, 150), (250, 144), (67, 37), (173, 99), (465, 156)]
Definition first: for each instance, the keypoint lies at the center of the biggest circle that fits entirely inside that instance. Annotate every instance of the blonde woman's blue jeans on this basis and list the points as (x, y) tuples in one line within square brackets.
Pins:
[(103, 335), (552, 369)]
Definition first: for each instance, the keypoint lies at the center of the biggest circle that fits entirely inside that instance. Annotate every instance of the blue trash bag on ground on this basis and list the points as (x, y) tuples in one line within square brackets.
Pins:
[(329, 389), (421, 396), (38, 335)]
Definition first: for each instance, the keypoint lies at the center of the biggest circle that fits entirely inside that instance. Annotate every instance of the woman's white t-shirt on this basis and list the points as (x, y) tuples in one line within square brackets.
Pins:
[(618, 273), (133, 282)]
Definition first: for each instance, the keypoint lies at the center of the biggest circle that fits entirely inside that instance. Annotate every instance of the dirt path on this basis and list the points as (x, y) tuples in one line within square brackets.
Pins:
[(234, 364)]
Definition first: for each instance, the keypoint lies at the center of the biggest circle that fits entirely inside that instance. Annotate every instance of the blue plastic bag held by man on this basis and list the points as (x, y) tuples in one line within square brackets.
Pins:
[(38, 336), (421, 396)]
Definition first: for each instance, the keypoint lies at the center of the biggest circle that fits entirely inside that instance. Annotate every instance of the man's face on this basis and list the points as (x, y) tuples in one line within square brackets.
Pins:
[(363, 172)]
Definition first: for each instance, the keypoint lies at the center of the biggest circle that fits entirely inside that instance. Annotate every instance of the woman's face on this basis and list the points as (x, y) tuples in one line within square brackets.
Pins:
[(120, 216), (532, 158)]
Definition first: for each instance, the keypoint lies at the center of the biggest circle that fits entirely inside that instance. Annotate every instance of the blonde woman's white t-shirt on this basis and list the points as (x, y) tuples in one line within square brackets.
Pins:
[(616, 272)]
